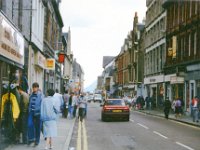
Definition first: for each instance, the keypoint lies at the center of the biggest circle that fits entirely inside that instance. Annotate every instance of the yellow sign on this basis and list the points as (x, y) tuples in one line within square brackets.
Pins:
[(174, 46), (50, 64), (170, 52)]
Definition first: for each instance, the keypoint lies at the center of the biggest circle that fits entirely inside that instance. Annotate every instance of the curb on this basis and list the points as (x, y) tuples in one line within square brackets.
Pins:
[(178, 120), (68, 139)]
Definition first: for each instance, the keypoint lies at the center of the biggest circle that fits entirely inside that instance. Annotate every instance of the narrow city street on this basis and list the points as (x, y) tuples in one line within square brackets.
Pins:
[(142, 132)]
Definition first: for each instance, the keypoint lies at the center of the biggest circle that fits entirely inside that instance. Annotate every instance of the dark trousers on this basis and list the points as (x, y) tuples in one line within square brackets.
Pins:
[(34, 128), (81, 113), (24, 128), (74, 111), (166, 111)]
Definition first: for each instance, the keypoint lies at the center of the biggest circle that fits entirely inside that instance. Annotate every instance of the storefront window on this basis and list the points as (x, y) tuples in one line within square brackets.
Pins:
[(198, 88)]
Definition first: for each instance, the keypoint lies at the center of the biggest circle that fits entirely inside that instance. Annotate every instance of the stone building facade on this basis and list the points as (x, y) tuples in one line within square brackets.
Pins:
[(155, 51), (182, 44)]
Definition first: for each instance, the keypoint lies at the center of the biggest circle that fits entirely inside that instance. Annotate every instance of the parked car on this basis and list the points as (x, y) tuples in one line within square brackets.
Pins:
[(90, 98), (98, 98), (115, 109)]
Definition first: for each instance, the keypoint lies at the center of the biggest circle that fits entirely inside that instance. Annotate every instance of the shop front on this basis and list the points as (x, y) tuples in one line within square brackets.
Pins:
[(11, 64), (154, 88), (192, 84)]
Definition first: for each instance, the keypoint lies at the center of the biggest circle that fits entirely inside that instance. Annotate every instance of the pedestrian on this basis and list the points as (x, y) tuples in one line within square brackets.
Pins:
[(58, 101), (147, 102), (195, 109), (65, 105), (177, 108), (48, 117), (24, 103), (82, 106), (167, 107), (75, 104), (70, 107), (34, 123), (173, 105)]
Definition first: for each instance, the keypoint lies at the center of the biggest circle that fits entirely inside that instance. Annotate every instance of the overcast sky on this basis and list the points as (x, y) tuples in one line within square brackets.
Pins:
[(98, 28)]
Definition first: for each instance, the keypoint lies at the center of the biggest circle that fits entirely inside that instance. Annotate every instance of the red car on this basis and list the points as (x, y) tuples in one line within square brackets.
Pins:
[(115, 109)]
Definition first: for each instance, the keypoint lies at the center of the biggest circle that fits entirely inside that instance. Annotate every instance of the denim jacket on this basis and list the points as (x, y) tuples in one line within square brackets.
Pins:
[(35, 103)]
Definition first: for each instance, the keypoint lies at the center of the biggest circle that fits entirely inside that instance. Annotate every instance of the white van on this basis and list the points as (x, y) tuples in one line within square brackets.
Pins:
[(98, 98)]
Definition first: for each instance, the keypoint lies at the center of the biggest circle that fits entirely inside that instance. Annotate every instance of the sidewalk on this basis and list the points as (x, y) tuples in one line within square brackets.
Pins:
[(159, 113), (61, 142)]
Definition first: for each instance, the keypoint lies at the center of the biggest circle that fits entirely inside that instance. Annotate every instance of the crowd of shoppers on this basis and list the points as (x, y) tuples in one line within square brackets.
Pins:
[(176, 106), (37, 113)]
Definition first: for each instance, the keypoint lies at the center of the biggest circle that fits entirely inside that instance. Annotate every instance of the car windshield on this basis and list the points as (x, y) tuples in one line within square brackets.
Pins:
[(115, 102)]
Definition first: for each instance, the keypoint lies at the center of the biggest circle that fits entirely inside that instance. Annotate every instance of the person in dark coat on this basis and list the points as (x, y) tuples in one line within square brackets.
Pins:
[(167, 107), (24, 104)]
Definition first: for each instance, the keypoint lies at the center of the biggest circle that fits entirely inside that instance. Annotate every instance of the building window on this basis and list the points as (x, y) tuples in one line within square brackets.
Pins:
[(195, 43), (189, 46), (196, 7)]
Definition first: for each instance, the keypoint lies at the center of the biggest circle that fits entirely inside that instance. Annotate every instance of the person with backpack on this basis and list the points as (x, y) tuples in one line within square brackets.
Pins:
[(177, 108)]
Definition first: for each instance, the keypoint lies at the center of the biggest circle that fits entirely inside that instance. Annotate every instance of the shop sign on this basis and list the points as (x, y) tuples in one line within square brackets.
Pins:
[(40, 60), (50, 64), (11, 41), (119, 88), (131, 86), (152, 80), (176, 80)]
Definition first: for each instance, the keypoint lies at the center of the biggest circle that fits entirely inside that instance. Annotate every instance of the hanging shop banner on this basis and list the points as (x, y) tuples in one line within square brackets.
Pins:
[(11, 41), (50, 64), (174, 41)]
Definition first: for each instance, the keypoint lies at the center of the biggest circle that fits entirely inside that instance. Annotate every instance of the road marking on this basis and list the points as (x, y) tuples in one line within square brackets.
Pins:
[(85, 142), (160, 134), (82, 136), (79, 136), (132, 120), (185, 146), (143, 126)]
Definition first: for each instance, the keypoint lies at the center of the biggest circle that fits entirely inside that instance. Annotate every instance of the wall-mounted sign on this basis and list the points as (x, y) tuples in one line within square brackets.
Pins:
[(176, 80), (152, 80), (40, 60), (11, 41), (50, 64)]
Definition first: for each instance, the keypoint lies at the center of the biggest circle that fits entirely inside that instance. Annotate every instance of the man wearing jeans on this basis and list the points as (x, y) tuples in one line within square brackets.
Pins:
[(34, 123), (195, 109)]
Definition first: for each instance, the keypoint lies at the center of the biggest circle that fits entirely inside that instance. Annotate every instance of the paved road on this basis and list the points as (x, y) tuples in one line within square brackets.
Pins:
[(142, 132)]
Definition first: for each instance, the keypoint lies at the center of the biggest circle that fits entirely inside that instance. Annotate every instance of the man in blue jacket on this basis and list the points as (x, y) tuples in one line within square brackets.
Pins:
[(34, 123)]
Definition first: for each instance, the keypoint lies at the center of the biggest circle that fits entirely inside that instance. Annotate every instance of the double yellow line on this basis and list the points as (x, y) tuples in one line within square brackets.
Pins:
[(82, 143)]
